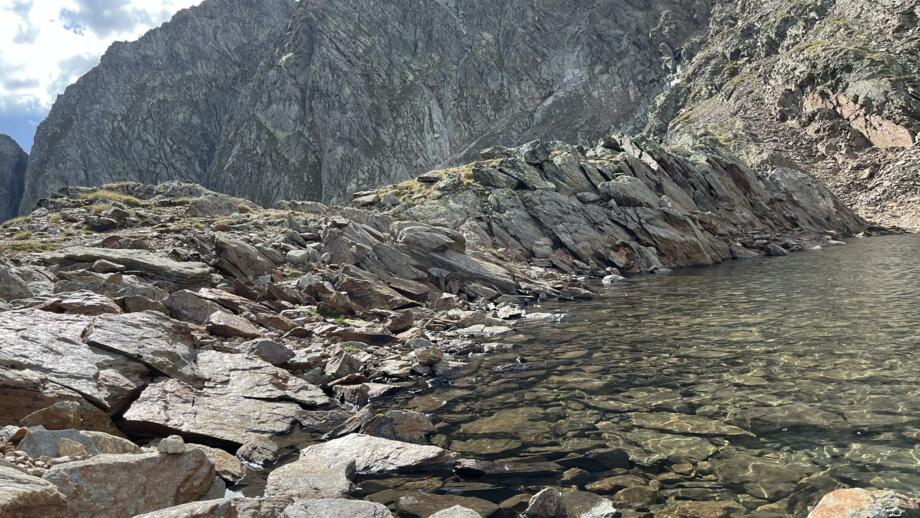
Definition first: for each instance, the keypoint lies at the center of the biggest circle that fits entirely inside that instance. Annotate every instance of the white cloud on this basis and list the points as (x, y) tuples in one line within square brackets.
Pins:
[(48, 44)]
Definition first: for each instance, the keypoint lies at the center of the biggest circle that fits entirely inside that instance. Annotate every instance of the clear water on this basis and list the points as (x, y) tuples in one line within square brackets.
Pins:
[(775, 380)]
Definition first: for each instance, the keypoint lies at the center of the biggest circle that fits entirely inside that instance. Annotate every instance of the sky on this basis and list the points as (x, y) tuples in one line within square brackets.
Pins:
[(46, 45)]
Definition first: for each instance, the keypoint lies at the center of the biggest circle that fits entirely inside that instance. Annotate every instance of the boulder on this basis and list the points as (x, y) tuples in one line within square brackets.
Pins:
[(457, 511), (171, 445), (229, 325), (126, 485), (12, 285), (218, 205), (82, 302), (310, 478), (227, 465), (335, 508), (188, 306), (47, 443), (268, 350), (175, 406), (546, 504), (25, 496), (52, 346), (78, 415), (375, 455), (224, 508), (241, 259), (866, 503), (424, 505), (148, 337), (153, 266), (581, 504), (26, 392), (240, 375)]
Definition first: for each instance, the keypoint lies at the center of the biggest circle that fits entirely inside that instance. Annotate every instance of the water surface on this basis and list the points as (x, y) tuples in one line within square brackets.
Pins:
[(764, 382)]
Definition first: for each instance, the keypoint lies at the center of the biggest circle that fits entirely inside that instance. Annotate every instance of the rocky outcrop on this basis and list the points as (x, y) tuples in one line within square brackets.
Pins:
[(353, 94), (13, 162), (827, 86)]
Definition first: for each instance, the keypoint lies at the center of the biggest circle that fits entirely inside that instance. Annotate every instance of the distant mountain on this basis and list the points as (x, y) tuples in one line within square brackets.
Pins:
[(13, 162), (154, 109)]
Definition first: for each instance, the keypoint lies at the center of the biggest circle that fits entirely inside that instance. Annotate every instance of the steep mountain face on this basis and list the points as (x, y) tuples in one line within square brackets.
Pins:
[(362, 93), (829, 86), (355, 93), (13, 162), (154, 109)]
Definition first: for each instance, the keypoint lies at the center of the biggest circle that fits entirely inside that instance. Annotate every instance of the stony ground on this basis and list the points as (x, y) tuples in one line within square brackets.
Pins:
[(173, 335)]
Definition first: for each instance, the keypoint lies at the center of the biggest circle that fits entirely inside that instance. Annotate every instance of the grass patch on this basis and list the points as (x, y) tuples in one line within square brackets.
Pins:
[(21, 220), (99, 208), (104, 195), (28, 246), (21, 235)]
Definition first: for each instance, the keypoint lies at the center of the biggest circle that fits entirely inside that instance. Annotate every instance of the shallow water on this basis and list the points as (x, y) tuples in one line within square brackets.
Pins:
[(765, 382)]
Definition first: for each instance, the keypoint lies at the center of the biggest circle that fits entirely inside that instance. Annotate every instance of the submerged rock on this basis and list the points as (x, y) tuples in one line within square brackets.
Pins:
[(374, 455), (866, 503)]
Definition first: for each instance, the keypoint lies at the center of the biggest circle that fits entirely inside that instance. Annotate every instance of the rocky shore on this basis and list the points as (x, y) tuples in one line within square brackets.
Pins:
[(193, 341)]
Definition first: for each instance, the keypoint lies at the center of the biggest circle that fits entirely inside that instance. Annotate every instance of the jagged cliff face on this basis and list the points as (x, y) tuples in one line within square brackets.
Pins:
[(363, 93), (13, 162), (154, 109), (827, 86), (355, 93)]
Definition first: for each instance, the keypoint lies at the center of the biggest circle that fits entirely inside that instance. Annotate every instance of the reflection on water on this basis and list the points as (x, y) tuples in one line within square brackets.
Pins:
[(766, 383)]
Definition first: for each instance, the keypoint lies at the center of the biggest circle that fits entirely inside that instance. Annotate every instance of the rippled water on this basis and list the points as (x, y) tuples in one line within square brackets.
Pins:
[(765, 382)]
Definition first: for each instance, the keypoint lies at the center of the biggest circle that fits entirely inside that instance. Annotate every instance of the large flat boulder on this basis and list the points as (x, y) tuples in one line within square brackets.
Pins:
[(178, 407), (25, 496), (127, 485), (315, 477), (247, 376), (149, 337), (375, 455), (151, 265), (51, 345)]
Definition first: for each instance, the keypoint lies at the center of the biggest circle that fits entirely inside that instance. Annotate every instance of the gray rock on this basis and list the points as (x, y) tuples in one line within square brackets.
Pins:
[(228, 325), (106, 485), (46, 443), (236, 419), (51, 345), (172, 445), (375, 456), (217, 205), (22, 496), (311, 478), (187, 306), (268, 350), (148, 337), (457, 511), (12, 285), (546, 504), (151, 265), (225, 508), (335, 508)]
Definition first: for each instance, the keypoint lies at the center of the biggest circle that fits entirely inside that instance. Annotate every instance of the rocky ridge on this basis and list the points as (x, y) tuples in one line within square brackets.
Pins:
[(152, 311), (334, 97), (827, 86)]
